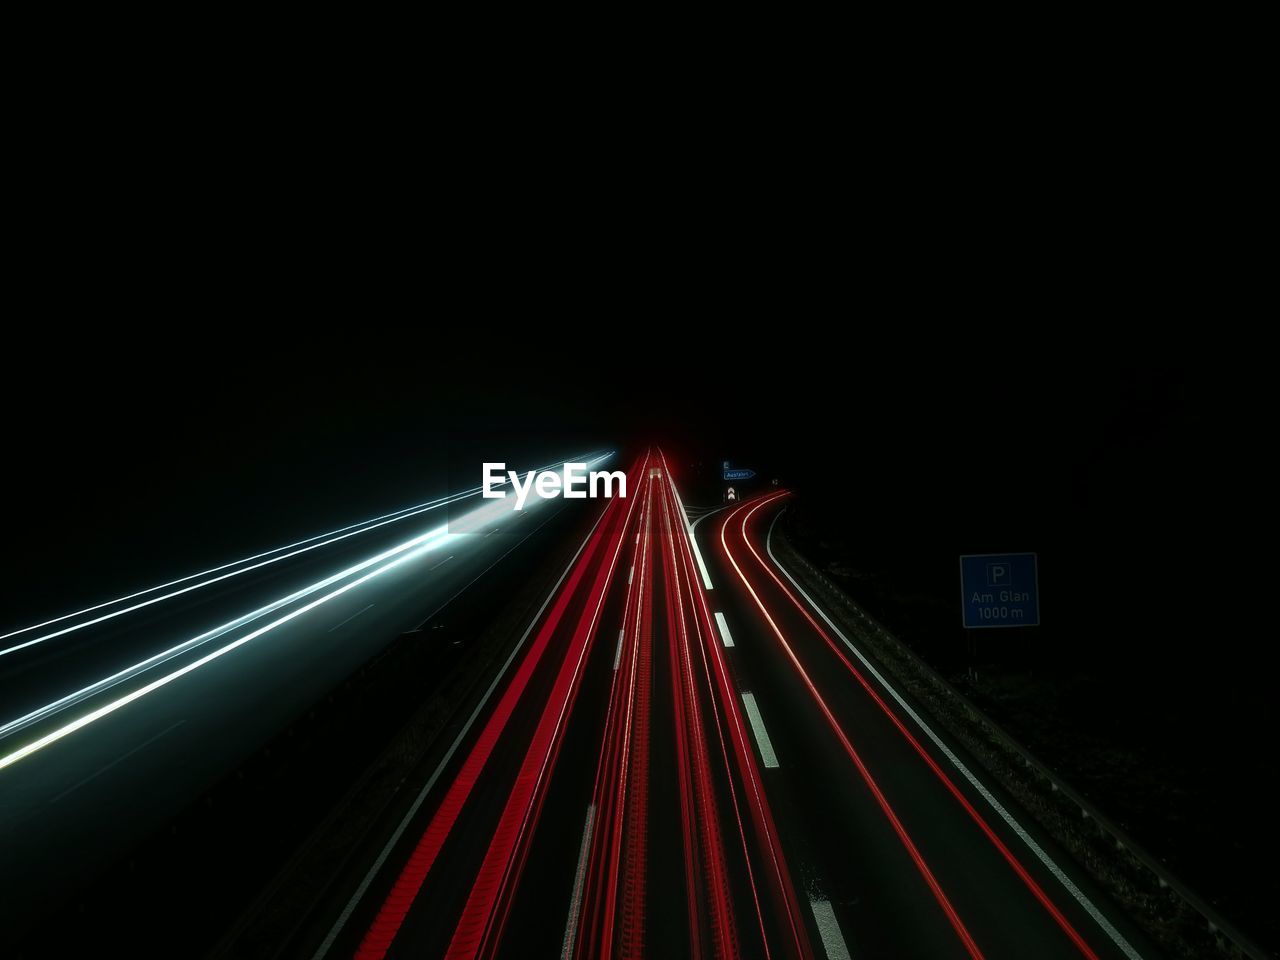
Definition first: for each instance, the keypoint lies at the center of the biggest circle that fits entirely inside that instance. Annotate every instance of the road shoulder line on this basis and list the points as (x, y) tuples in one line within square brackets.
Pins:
[(1048, 862)]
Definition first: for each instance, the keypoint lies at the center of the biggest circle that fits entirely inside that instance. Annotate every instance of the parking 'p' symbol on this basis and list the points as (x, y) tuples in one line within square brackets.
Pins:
[(998, 575)]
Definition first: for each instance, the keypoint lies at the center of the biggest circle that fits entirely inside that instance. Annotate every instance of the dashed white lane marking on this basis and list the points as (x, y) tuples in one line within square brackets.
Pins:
[(829, 930), (348, 620), (617, 657), (443, 562), (631, 574), (120, 759), (725, 636), (579, 877), (767, 755)]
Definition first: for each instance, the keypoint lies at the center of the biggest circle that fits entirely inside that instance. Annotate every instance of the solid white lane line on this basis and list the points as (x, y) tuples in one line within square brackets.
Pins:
[(767, 755), (443, 562), (348, 620), (1068, 884), (829, 930), (119, 759), (390, 845), (725, 636), (579, 877)]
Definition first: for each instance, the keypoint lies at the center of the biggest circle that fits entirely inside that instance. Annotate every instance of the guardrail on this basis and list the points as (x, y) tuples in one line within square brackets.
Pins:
[(1225, 934)]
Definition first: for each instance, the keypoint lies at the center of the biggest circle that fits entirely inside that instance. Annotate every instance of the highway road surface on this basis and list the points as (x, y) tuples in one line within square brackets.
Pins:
[(684, 757), (114, 717)]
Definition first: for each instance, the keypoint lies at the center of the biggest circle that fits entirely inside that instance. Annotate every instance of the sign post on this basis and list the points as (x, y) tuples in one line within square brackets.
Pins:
[(997, 590), (728, 474)]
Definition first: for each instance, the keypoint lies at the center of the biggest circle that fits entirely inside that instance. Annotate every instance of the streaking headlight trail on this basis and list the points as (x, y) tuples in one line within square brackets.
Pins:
[(334, 536), (459, 527), (105, 683), (113, 706)]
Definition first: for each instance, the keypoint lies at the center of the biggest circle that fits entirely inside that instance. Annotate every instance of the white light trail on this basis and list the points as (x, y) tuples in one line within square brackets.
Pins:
[(109, 708), (335, 536), (163, 657), (440, 536)]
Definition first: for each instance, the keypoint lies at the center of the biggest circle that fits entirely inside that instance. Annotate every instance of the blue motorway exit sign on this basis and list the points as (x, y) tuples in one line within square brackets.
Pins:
[(1000, 590)]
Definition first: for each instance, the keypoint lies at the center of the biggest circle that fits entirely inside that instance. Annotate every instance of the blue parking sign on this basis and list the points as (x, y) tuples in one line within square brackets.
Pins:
[(999, 590)]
